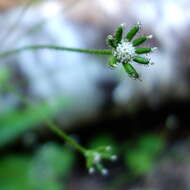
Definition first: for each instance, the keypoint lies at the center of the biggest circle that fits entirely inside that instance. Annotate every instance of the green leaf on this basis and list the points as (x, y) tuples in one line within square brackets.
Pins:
[(17, 122), (138, 161), (14, 173), (43, 171), (141, 157), (152, 144), (4, 75), (50, 162)]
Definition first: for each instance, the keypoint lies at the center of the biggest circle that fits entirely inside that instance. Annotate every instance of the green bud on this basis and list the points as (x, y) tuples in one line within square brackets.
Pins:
[(130, 70), (118, 34), (4, 75), (143, 50), (141, 60), (139, 41), (112, 62), (132, 32), (110, 41)]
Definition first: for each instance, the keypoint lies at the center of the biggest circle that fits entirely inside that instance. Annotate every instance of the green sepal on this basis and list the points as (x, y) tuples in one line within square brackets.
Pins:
[(139, 41), (131, 70), (112, 62), (110, 41), (141, 60), (143, 50), (132, 32), (118, 35)]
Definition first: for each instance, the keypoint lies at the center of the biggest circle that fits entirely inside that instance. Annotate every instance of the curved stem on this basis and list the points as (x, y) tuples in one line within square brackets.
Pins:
[(57, 48)]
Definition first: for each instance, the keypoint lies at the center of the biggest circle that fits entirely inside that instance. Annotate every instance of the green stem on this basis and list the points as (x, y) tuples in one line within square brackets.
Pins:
[(63, 135), (57, 48)]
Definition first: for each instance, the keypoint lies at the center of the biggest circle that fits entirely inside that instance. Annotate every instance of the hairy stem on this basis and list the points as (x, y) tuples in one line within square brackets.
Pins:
[(56, 48)]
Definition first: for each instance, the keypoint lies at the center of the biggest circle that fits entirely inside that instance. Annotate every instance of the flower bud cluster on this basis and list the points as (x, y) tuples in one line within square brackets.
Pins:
[(125, 50), (95, 157)]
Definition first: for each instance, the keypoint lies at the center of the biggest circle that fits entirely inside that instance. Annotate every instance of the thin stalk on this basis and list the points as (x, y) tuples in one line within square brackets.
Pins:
[(56, 48), (63, 135)]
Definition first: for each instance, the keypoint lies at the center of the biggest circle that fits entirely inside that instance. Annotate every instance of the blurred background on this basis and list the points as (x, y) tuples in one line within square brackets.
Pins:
[(146, 122)]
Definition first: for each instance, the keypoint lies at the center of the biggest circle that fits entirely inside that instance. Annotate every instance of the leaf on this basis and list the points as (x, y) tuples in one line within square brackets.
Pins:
[(17, 122), (43, 171)]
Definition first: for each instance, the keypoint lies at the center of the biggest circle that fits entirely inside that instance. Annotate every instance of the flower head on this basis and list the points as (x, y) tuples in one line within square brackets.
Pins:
[(95, 157), (125, 50)]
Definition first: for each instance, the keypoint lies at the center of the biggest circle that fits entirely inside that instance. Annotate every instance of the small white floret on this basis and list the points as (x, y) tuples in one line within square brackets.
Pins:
[(150, 37), (108, 148), (109, 37), (104, 172), (97, 157), (139, 24), (123, 25), (154, 49), (91, 170), (113, 157), (124, 51)]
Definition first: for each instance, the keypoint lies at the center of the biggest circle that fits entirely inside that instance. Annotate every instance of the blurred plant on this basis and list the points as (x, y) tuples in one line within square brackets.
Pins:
[(106, 145), (94, 157), (4, 75), (141, 157), (41, 171), (123, 51), (16, 122)]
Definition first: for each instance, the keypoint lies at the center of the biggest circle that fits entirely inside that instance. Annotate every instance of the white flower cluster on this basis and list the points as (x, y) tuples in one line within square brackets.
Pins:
[(95, 157), (124, 51)]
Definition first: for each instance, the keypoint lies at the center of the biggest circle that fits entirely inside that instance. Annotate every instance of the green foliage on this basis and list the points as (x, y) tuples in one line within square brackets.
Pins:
[(141, 157), (42, 171), (49, 164), (14, 173), (4, 75), (16, 122)]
